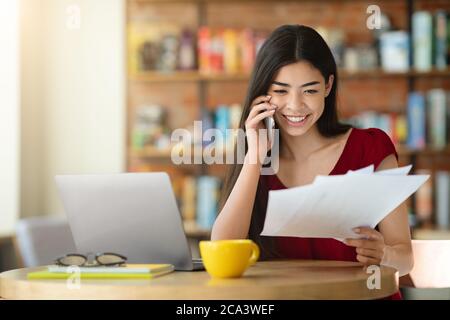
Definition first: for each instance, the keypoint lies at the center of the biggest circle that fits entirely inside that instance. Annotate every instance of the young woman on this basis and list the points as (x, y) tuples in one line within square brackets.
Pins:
[(295, 80)]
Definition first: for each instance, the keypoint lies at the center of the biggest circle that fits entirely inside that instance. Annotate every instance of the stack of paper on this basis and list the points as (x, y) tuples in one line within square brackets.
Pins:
[(129, 271), (332, 206)]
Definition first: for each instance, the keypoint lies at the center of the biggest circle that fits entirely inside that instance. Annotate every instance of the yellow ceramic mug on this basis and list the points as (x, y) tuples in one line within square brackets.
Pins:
[(228, 258)]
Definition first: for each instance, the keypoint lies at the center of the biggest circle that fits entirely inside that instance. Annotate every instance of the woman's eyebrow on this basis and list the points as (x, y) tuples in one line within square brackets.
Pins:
[(302, 86)]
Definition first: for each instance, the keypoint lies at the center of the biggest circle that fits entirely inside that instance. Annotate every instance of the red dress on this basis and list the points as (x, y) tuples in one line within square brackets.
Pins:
[(363, 148)]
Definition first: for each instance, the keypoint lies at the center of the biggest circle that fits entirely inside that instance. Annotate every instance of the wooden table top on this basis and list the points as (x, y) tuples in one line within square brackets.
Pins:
[(293, 279)]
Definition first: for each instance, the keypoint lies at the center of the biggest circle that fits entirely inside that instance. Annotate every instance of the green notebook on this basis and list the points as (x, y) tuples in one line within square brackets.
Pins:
[(134, 272)]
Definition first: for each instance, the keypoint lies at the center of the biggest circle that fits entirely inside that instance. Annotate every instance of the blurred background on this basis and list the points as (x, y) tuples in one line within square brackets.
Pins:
[(97, 86)]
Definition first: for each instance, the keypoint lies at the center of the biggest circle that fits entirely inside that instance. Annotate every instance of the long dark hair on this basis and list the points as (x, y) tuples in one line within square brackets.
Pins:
[(286, 45)]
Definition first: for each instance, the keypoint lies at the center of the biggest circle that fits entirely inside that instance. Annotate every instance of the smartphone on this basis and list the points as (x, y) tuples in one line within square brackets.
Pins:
[(270, 125)]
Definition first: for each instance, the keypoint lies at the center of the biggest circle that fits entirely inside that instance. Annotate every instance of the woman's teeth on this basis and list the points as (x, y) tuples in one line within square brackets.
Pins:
[(296, 119)]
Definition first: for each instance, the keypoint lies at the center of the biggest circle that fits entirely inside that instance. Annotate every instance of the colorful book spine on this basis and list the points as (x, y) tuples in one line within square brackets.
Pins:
[(231, 51), (448, 113), (443, 199), (394, 51), (401, 129), (422, 31), (247, 50), (235, 115), (222, 122), (207, 198), (188, 199), (187, 59), (384, 122), (437, 118), (424, 201), (441, 41), (217, 50), (416, 121), (393, 128), (204, 50), (207, 123)]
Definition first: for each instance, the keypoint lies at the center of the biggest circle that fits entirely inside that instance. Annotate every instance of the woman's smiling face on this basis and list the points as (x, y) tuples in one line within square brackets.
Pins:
[(299, 91)]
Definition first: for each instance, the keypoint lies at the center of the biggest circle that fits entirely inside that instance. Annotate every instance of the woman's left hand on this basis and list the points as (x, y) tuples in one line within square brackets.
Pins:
[(370, 251)]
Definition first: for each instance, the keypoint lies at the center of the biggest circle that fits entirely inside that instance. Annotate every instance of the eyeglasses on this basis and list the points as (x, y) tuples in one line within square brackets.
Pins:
[(100, 259)]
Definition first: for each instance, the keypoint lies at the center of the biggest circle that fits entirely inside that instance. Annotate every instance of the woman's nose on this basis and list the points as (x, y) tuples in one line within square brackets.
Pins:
[(295, 100)]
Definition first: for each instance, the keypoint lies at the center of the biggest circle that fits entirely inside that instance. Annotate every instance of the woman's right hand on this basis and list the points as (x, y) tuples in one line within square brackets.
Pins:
[(261, 108)]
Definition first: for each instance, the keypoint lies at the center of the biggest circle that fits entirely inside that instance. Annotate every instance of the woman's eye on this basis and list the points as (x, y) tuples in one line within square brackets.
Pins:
[(279, 91), (311, 91)]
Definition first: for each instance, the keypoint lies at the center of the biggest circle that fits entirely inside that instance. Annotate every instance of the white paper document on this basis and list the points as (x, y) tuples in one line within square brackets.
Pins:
[(332, 206)]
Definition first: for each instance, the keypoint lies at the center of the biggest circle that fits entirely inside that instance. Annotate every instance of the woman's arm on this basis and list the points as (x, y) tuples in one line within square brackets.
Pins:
[(233, 221), (392, 245), (396, 232)]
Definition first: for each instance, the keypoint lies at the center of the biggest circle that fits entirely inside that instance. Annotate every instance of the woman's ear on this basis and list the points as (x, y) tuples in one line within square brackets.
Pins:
[(329, 85)]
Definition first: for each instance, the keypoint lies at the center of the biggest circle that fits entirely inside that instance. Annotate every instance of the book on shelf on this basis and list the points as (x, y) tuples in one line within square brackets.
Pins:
[(448, 117), (231, 51), (442, 39), (224, 117), (222, 123), (430, 38), (207, 199), (187, 57), (395, 125), (235, 115), (442, 195), (198, 200), (228, 50), (188, 194), (216, 51), (203, 49), (422, 33), (437, 118), (416, 121), (424, 201), (154, 47), (248, 41), (400, 129), (394, 51)]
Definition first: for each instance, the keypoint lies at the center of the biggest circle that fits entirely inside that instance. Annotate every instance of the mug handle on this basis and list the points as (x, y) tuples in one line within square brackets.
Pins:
[(255, 254)]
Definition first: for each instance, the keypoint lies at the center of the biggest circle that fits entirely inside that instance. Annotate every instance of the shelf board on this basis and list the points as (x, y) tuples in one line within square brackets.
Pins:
[(150, 152), (405, 151), (432, 73), (193, 231), (379, 73), (164, 156), (194, 76), (431, 234), (186, 76)]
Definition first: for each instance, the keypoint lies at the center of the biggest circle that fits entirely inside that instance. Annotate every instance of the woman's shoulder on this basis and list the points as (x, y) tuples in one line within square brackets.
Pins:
[(376, 145), (370, 134)]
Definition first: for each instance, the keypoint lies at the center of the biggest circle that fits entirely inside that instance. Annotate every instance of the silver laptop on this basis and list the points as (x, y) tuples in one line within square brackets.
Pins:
[(133, 214)]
